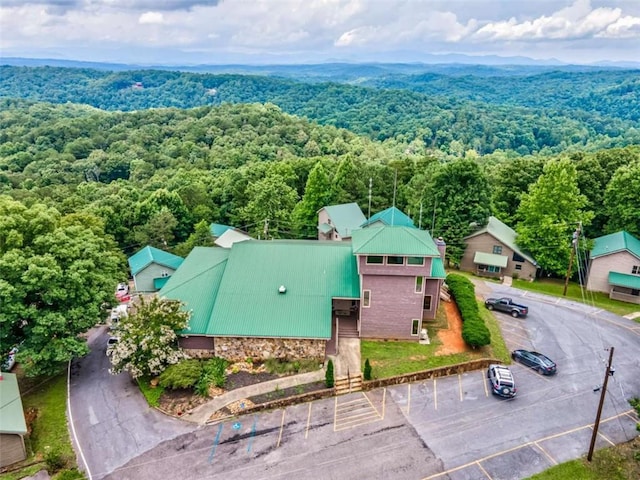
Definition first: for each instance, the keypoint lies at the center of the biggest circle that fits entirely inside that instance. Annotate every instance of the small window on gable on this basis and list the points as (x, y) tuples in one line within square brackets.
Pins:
[(375, 259), (366, 298), (518, 267), (497, 249), (395, 260), (415, 327), (415, 260), (426, 302), (419, 282), (517, 258), (635, 270), (164, 273)]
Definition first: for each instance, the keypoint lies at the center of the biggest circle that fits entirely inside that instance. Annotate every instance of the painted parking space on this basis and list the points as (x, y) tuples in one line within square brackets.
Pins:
[(356, 410)]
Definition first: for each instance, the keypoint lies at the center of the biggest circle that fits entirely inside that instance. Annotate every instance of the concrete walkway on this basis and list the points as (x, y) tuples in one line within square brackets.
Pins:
[(203, 412), (348, 359)]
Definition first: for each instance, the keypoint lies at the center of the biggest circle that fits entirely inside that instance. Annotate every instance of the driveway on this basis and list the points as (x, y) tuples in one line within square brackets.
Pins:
[(111, 418)]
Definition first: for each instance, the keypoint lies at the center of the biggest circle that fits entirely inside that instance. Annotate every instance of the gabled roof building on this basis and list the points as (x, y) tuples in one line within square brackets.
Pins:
[(152, 267), (614, 266), (292, 298)]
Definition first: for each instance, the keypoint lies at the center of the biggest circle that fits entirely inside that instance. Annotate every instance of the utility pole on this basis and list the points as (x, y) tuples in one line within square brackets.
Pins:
[(266, 227), (604, 390), (370, 185), (574, 245)]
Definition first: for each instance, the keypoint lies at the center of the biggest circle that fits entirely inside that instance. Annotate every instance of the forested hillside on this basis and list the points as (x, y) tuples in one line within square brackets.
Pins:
[(82, 187), (544, 113)]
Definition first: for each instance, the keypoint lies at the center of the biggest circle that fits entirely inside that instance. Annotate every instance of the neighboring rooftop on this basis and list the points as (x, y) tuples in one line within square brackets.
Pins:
[(504, 234), (218, 229), (345, 218), (615, 242), (144, 257), (11, 412), (392, 217)]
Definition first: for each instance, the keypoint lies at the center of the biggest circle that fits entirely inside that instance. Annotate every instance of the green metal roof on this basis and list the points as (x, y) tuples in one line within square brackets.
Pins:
[(616, 242), (504, 234), (148, 255), (325, 228), (249, 303), (196, 284), (393, 241), (345, 218), (437, 268), (218, 229), (391, 216), (490, 259), (11, 413), (624, 280)]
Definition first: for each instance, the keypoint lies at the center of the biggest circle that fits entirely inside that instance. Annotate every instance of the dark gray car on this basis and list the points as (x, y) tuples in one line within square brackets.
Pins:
[(539, 362)]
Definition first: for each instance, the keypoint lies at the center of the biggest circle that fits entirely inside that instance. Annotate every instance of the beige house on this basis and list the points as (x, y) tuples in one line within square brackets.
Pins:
[(492, 252), (614, 267), (338, 222), (13, 426)]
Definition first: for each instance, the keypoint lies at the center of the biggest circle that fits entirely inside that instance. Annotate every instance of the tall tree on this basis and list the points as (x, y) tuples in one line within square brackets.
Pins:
[(56, 273), (348, 185), (316, 195), (268, 213), (460, 200), (549, 214), (621, 200)]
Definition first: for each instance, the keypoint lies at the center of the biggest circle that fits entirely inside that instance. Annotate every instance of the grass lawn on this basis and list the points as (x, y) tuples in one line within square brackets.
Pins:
[(48, 444), (555, 287), (391, 358)]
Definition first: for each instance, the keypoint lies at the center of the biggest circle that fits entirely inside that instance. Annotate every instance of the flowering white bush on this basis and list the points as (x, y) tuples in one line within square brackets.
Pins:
[(148, 342)]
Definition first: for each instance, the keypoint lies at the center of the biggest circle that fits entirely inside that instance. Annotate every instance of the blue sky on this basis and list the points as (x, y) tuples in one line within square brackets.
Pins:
[(186, 32)]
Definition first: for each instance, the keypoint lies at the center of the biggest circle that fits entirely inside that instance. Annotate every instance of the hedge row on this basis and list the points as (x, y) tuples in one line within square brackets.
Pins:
[(474, 332)]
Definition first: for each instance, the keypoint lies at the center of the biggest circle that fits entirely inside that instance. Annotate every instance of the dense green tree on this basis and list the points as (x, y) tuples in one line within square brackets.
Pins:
[(316, 196), (56, 273), (347, 184), (460, 199), (622, 200), (201, 237), (268, 212), (147, 338), (550, 212)]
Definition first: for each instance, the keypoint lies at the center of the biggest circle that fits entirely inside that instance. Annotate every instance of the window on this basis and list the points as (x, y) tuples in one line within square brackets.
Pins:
[(164, 273), (395, 260), (497, 249), (419, 281), (493, 269), (415, 327), (635, 293), (426, 302), (635, 270), (366, 298), (375, 259), (518, 267), (415, 260), (517, 258)]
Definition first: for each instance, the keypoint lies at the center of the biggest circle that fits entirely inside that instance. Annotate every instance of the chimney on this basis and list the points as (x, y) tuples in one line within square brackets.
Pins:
[(442, 247)]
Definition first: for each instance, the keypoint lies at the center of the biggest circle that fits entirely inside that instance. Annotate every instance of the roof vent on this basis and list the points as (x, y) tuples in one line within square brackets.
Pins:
[(282, 289)]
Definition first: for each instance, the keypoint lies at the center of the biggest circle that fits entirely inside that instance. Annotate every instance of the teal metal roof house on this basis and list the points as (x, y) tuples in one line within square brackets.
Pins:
[(152, 267), (391, 217), (13, 426), (614, 266), (338, 222), (288, 296)]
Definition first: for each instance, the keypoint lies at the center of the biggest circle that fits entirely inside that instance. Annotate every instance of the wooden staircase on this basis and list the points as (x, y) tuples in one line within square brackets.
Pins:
[(348, 329), (348, 384)]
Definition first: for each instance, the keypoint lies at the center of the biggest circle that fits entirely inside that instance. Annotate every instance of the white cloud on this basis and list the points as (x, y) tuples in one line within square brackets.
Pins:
[(151, 18), (578, 20), (625, 27)]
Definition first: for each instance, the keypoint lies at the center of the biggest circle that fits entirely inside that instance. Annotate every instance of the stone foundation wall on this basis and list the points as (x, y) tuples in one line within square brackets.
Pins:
[(237, 349)]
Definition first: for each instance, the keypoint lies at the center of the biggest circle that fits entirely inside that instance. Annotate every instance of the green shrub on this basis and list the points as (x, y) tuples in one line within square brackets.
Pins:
[(72, 474), (328, 376), (279, 367), (213, 371), (181, 375), (367, 370), (474, 332), (55, 460)]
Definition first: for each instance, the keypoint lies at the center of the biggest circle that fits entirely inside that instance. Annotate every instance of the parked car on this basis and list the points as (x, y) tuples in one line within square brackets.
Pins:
[(539, 362), (502, 382), (121, 290), (507, 305), (111, 343), (10, 361)]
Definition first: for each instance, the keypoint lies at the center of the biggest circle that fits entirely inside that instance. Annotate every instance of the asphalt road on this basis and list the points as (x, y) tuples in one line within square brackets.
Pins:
[(111, 418), (449, 428)]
